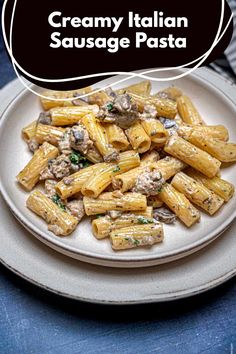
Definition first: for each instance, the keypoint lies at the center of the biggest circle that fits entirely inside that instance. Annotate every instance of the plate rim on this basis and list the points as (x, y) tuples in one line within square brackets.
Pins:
[(181, 294), (112, 260)]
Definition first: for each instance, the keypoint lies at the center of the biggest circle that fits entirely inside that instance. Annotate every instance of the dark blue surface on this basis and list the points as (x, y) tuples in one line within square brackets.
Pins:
[(35, 321)]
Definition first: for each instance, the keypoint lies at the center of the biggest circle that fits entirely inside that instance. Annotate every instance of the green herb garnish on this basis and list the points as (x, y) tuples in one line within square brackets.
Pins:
[(116, 169), (136, 242), (109, 106), (143, 220), (99, 216), (76, 158), (85, 164), (57, 200)]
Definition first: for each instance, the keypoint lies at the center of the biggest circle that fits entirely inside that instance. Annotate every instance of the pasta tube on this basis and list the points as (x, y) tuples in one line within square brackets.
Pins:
[(188, 111), (93, 155), (98, 181), (193, 156), (102, 226), (137, 236), (100, 98), (138, 138), (98, 134), (197, 193), (168, 167), (60, 222), (48, 133), (127, 202), (117, 137), (141, 88), (29, 176), (217, 185), (164, 107), (155, 202), (180, 205), (155, 130), (214, 131), (170, 92), (28, 132), (53, 96), (73, 184), (70, 115), (149, 157), (221, 150)]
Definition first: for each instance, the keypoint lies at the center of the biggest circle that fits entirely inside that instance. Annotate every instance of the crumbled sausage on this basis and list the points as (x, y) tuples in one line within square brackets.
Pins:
[(76, 208), (57, 168), (120, 110), (79, 139), (169, 124), (61, 166), (149, 182), (33, 144), (114, 156), (50, 187), (149, 111), (44, 118), (164, 215), (114, 214)]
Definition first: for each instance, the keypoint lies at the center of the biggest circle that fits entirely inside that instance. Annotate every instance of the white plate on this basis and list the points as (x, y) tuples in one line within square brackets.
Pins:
[(179, 241), (30, 259)]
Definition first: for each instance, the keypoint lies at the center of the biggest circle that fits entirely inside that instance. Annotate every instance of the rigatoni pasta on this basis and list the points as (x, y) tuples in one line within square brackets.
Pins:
[(180, 205), (138, 138), (138, 235), (221, 150), (127, 160), (127, 202), (168, 167), (98, 134), (59, 222), (217, 185), (155, 130), (141, 88), (188, 111), (215, 131), (53, 99), (28, 132), (103, 225), (48, 133), (61, 116), (197, 193), (165, 107), (29, 176), (101, 178), (117, 137), (193, 156)]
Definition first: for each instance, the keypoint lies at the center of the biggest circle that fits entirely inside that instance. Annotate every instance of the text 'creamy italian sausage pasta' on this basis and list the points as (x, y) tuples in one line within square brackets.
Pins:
[(129, 159)]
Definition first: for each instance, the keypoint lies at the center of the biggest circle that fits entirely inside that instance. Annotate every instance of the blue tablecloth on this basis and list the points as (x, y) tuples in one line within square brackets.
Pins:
[(35, 321)]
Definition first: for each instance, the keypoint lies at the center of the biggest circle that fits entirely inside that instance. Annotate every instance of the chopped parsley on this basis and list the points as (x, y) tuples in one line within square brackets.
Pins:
[(109, 106), (116, 169), (136, 242), (143, 220), (57, 200), (99, 216), (77, 159)]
